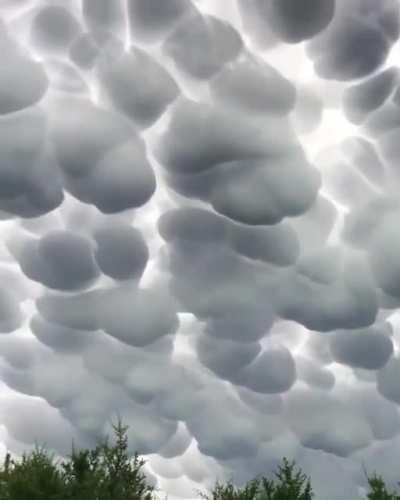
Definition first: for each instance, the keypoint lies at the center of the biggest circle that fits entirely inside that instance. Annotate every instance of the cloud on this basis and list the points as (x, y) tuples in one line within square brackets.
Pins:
[(23, 81), (121, 252), (60, 260), (272, 22), (104, 16), (357, 41), (152, 21), (202, 45), (295, 22), (254, 87), (365, 349), (121, 312), (198, 206), (361, 99), (85, 157), (53, 29), (126, 81), (23, 168)]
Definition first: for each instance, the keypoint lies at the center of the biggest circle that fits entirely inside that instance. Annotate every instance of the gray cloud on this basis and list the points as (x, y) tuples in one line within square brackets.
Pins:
[(23, 81), (151, 21), (254, 87), (367, 349), (54, 28), (295, 22), (104, 16), (60, 260), (202, 45), (138, 86), (121, 252), (361, 99), (198, 206), (351, 48), (121, 312)]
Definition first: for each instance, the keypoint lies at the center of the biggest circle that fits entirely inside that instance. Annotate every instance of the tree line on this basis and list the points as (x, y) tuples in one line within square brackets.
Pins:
[(108, 473)]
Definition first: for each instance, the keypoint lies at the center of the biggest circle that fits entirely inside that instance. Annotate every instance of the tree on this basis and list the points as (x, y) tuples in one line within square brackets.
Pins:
[(290, 487), (105, 473), (378, 490), (34, 478)]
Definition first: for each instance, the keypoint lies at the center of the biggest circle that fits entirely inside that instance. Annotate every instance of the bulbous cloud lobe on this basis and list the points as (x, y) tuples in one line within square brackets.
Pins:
[(199, 229)]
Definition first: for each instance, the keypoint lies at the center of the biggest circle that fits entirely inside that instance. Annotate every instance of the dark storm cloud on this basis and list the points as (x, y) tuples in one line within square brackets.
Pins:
[(101, 15), (189, 240), (122, 312), (86, 154), (361, 99), (138, 86), (348, 300), (24, 164), (221, 288), (121, 252), (383, 261), (368, 349), (373, 228), (357, 41), (384, 119), (60, 260), (235, 161), (276, 244), (241, 437), (254, 87), (294, 22), (151, 20), (88, 48), (46, 423), (23, 81), (225, 357), (192, 225), (202, 135), (260, 192), (79, 149), (202, 45), (273, 371), (319, 431), (60, 338), (272, 21), (387, 379), (53, 29)]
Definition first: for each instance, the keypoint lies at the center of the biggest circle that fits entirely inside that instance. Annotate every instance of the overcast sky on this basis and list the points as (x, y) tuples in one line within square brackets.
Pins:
[(199, 221)]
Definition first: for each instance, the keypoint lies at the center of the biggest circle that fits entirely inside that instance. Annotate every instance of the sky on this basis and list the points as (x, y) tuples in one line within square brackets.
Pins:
[(199, 232)]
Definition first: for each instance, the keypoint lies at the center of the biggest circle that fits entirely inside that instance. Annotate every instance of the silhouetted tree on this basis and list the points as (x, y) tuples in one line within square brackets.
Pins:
[(291, 486), (105, 473), (378, 489)]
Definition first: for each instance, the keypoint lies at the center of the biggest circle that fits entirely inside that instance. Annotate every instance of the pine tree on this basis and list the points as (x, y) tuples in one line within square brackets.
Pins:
[(290, 487)]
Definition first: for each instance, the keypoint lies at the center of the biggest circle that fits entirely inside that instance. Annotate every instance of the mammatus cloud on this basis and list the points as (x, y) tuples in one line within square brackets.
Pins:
[(199, 212)]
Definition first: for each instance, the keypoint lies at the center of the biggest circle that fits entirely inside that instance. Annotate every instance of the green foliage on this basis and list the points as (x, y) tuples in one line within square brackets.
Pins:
[(378, 490), (108, 473), (34, 478), (291, 486), (105, 473)]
